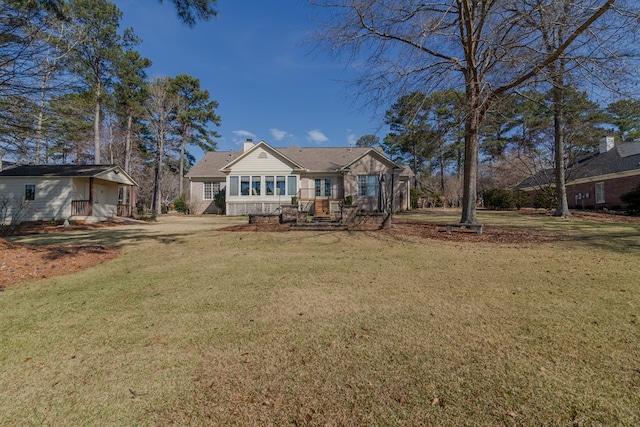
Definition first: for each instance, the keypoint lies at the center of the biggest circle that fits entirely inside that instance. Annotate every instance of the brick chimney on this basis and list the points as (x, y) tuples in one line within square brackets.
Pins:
[(607, 144), (248, 144)]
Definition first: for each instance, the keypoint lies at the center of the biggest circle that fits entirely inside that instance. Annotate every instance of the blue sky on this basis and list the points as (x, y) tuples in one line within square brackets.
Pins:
[(254, 61)]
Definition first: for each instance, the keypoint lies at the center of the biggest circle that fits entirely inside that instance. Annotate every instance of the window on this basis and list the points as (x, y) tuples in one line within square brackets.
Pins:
[(211, 189), (30, 192), (280, 186), (255, 186), (244, 185), (268, 185), (292, 185), (600, 192), (368, 185), (233, 185)]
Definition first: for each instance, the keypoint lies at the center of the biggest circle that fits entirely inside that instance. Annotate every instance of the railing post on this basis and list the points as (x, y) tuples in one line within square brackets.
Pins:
[(90, 209)]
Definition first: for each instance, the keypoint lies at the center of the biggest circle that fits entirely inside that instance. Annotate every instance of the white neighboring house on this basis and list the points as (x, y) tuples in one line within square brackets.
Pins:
[(82, 193), (260, 179)]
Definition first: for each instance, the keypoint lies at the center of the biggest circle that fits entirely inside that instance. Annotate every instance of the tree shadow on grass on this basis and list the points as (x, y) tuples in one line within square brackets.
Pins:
[(113, 237)]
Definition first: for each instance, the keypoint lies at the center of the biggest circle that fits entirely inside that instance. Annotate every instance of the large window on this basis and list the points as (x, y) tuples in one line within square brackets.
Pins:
[(244, 185), (292, 185), (600, 192), (368, 185), (255, 186), (211, 189), (233, 186), (30, 192), (268, 185), (280, 187)]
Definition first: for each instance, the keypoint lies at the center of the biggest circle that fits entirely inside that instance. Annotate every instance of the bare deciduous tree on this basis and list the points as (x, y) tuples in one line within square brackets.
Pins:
[(487, 47), (160, 107)]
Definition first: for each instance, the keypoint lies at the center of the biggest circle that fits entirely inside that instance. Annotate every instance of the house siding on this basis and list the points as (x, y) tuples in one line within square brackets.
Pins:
[(259, 162), (198, 205), (613, 189), (52, 198), (370, 165), (305, 166), (583, 194)]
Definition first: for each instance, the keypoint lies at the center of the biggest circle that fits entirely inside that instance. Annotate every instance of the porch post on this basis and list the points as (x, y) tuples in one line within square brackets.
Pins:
[(132, 200), (90, 208)]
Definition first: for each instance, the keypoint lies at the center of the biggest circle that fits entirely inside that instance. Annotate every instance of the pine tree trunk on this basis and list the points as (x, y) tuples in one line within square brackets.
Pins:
[(96, 127)]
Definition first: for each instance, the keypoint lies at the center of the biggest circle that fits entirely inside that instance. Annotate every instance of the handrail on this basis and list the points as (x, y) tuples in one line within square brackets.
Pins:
[(80, 208)]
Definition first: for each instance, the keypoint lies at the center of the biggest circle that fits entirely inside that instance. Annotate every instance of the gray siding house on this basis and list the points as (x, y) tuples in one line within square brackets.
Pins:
[(261, 178), (83, 193)]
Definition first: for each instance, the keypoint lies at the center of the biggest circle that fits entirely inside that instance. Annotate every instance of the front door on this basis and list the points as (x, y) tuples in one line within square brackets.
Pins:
[(323, 187)]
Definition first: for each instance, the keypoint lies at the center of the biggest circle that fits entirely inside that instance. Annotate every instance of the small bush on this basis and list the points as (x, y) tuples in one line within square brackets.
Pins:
[(545, 198), (181, 205), (521, 198), (632, 200), (415, 195), (220, 200), (499, 199), (437, 199)]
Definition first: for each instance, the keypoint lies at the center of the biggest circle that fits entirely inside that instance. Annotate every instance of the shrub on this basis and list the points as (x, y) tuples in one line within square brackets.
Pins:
[(220, 201), (181, 205), (18, 207), (632, 200), (521, 198), (348, 200), (499, 199), (545, 198), (437, 199), (414, 195)]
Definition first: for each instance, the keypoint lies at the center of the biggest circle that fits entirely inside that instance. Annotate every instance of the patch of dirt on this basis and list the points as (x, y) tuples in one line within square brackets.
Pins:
[(430, 231), (258, 227), (20, 263), (489, 234)]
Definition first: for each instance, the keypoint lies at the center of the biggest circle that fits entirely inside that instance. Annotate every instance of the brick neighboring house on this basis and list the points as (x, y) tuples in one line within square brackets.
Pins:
[(595, 180), (261, 179)]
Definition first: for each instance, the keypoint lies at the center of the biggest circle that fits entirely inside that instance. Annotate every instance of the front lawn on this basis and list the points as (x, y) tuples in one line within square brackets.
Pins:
[(196, 325)]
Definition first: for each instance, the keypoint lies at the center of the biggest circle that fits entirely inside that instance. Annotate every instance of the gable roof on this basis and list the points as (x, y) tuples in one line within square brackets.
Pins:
[(79, 171), (310, 159), (210, 166), (623, 159), (266, 147)]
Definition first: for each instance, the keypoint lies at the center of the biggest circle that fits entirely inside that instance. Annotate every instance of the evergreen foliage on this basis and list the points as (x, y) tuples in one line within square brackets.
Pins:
[(632, 200)]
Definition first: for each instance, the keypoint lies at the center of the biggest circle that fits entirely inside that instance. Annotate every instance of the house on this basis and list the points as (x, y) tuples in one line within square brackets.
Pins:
[(261, 178), (596, 180), (83, 193)]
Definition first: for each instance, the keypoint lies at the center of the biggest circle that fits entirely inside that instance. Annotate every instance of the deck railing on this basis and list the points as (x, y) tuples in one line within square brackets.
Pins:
[(80, 208), (123, 209), (310, 194)]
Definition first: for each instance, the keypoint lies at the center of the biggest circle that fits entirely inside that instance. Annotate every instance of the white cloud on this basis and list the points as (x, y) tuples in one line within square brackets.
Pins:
[(352, 139), (242, 135), (278, 134), (316, 136)]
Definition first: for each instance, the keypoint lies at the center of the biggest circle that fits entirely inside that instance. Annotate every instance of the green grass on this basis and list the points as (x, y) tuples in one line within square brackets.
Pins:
[(194, 325)]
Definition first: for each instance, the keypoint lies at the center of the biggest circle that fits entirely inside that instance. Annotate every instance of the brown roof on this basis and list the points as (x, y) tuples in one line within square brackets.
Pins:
[(623, 158), (313, 159), (211, 164)]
